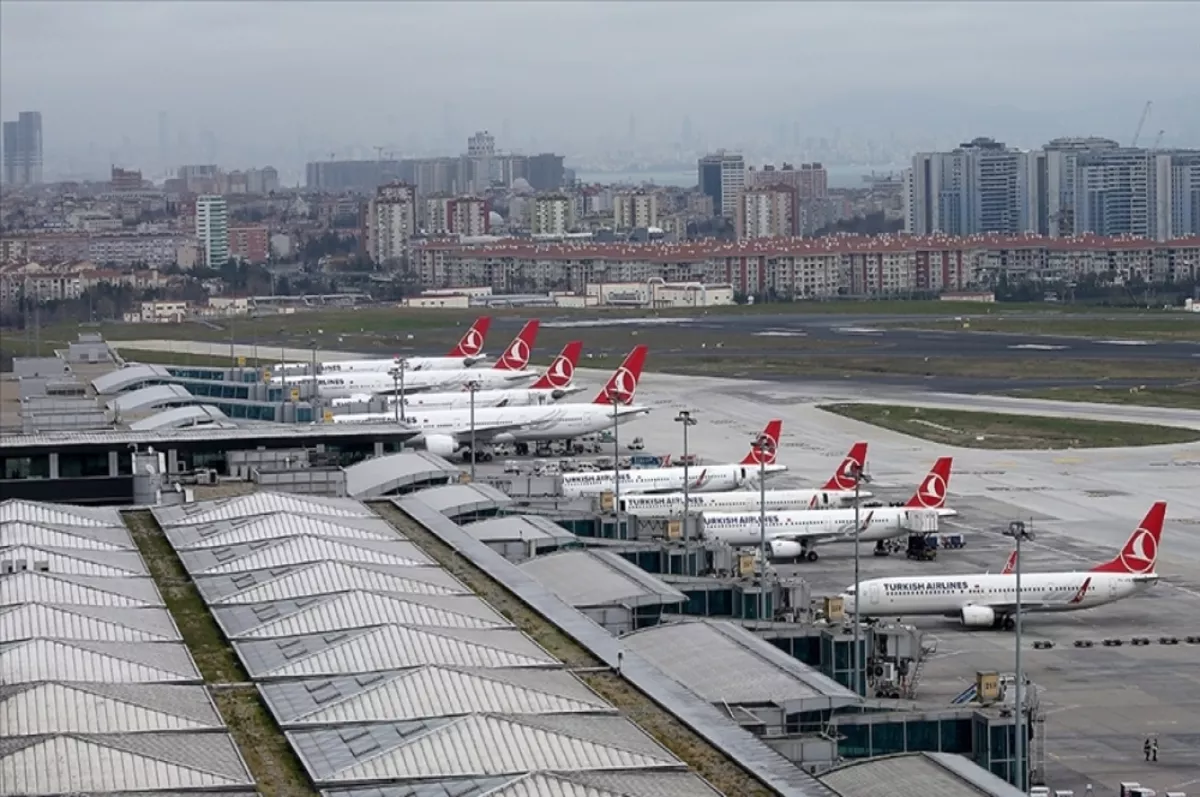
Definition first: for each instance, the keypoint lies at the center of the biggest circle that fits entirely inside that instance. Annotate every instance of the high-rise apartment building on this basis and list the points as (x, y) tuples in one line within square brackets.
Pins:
[(722, 177), (1114, 191), (810, 180), (980, 187), (1054, 182), (481, 149), (212, 229), (545, 172), (635, 210), (1177, 194), (464, 215), (23, 149), (552, 214), (771, 212), (391, 222)]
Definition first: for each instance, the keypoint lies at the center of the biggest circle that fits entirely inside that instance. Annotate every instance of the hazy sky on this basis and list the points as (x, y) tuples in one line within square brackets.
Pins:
[(261, 74)]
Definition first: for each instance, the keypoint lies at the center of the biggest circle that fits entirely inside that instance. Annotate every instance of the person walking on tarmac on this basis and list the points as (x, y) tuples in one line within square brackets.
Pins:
[(1146, 748), (1154, 750)]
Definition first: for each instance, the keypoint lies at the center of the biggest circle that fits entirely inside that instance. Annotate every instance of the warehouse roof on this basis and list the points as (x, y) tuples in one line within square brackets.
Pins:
[(398, 473), (58, 514), (258, 503), (95, 538), (324, 578), (586, 578), (485, 745), (74, 561), (64, 588), (426, 692), (150, 398), (36, 660), (458, 500), (94, 623), (183, 417), (317, 432), (918, 775), (300, 549), (47, 708), (260, 528), (178, 763), (654, 783), (519, 527), (353, 610), (723, 662), (388, 647), (130, 377)]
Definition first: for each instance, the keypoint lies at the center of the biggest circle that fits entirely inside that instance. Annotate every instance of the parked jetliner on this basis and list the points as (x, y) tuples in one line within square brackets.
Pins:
[(832, 494), (445, 432), (981, 601), (793, 535), (555, 383), (702, 478), (467, 352), (509, 370)]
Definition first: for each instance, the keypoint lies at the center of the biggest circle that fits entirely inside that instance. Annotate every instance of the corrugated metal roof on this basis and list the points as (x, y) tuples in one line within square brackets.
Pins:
[(380, 476), (61, 588), (437, 692), (315, 433), (301, 550), (390, 647), (275, 526), (120, 762), (38, 512), (726, 663), (356, 609), (105, 662), (917, 775), (50, 708), (151, 397), (656, 783), (95, 538), (259, 503), (518, 527), (599, 578), (478, 746), (180, 417), (125, 378), (72, 561), (324, 578), (100, 624), (455, 500)]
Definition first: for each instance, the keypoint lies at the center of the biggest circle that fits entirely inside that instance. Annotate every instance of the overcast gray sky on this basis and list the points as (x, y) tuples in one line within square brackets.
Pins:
[(261, 74)]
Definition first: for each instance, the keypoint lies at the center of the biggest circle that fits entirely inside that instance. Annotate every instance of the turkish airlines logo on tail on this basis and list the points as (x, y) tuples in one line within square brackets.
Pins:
[(623, 385), (932, 492), (517, 356), (560, 373), (844, 477), (472, 342), (1141, 552), (763, 450)]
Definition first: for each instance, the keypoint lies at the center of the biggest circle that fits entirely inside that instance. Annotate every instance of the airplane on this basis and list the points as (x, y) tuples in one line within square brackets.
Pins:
[(509, 370), (983, 601), (793, 535), (445, 432), (702, 478), (467, 352), (554, 383), (833, 493)]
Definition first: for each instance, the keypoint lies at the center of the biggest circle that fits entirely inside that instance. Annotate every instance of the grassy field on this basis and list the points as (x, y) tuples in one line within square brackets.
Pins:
[(1182, 398), (1160, 326), (992, 430)]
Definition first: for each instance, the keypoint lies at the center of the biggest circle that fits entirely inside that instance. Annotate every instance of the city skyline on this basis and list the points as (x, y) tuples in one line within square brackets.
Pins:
[(116, 110)]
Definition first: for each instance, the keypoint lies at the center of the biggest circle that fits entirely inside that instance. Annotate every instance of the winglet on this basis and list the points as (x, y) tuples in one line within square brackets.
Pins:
[(471, 343), (562, 371), (516, 356), (1140, 553), (843, 477), (1082, 593), (624, 381), (770, 436), (932, 492)]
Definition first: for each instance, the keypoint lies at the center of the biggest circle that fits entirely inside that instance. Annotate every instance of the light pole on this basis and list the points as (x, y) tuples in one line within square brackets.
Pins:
[(614, 398), (1018, 532), (397, 396), (473, 386), (685, 417), (856, 472), (762, 446), (315, 391)]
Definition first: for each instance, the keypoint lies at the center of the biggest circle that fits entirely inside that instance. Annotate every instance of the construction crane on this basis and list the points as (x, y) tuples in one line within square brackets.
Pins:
[(1142, 122), (378, 153), (1158, 139)]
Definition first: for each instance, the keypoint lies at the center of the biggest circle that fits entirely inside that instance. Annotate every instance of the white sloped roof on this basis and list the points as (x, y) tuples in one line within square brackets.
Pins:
[(43, 621), (59, 588), (305, 549), (359, 609), (394, 647), (105, 662), (47, 708), (276, 526), (121, 763), (322, 578), (38, 512), (262, 503), (74, 561), (93, 538)]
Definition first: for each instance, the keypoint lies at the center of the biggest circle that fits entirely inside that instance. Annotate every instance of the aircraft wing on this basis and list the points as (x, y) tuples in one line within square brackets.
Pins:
[(841, 532), (1038, 601), (485, 433)]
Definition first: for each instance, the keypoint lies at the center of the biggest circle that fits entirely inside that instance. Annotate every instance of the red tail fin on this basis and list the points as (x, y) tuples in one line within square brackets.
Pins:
[(770, 436), (623, 383), (843, 477), (516, 356), (471, 343), (1011, 564), (562, 370), (932, 492), (1140, 553)]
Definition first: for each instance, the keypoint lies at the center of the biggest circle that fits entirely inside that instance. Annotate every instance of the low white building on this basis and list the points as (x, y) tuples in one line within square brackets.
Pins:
[(658, 293)]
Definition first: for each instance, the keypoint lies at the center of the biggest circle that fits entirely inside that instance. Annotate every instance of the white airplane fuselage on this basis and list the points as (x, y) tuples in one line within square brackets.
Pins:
[(461, 399), (377, 382), (411, 364), (743, 528), (949, 596), (671, 504), (702, 478)]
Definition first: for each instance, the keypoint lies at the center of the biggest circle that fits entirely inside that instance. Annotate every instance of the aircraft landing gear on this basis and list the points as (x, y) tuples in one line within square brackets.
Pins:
[(522, 449), (1007, 622), (812, 556)]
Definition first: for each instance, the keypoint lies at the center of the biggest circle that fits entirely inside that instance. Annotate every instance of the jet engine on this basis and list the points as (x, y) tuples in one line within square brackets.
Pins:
[(441, 444), (785, 549), (977, 617)]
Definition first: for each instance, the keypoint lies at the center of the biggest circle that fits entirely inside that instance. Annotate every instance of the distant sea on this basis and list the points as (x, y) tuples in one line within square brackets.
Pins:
[(839, 176)]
